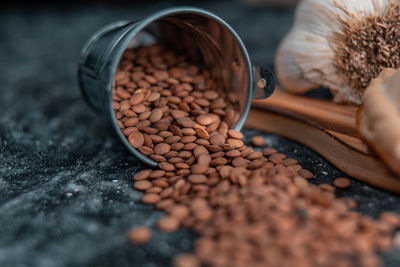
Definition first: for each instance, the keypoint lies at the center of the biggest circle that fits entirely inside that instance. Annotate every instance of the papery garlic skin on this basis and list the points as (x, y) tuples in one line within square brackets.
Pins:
[(307, 58), (378, 119)]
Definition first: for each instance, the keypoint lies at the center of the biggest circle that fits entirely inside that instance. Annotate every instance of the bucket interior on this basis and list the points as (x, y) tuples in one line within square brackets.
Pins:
[(207, 41)]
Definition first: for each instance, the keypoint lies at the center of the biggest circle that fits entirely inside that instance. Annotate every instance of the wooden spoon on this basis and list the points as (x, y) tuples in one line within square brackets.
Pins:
[(325, 127)]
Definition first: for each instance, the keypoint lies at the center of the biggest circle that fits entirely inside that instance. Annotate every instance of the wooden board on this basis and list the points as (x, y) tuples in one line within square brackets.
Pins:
[(327, 128)]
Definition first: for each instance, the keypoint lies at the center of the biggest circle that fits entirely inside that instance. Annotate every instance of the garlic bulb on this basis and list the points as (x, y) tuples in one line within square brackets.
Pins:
[(341, 45), (378, 119)]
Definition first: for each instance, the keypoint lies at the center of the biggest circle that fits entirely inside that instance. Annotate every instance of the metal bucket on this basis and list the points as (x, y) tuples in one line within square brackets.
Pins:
[(187, 29)]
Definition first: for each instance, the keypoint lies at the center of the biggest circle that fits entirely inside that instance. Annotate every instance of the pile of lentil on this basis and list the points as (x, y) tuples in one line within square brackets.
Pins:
[(250, 208)]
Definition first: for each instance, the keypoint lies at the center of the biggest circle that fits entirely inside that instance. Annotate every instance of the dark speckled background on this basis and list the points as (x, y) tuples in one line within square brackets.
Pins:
[(65, 180)]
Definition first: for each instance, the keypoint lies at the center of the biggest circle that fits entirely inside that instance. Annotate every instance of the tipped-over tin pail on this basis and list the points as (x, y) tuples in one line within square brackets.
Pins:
[(188, 30)]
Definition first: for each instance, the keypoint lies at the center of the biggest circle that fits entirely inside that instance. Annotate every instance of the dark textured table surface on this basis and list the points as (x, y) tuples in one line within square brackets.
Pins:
[(66, 196)]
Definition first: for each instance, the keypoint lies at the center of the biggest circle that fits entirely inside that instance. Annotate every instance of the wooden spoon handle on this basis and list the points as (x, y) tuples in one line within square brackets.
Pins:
[(320, 113)]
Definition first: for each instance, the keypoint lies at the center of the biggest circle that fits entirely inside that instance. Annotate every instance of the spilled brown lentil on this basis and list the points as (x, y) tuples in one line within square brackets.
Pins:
[(249, 208), (258, 141), (139, 235), (341, 182)]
